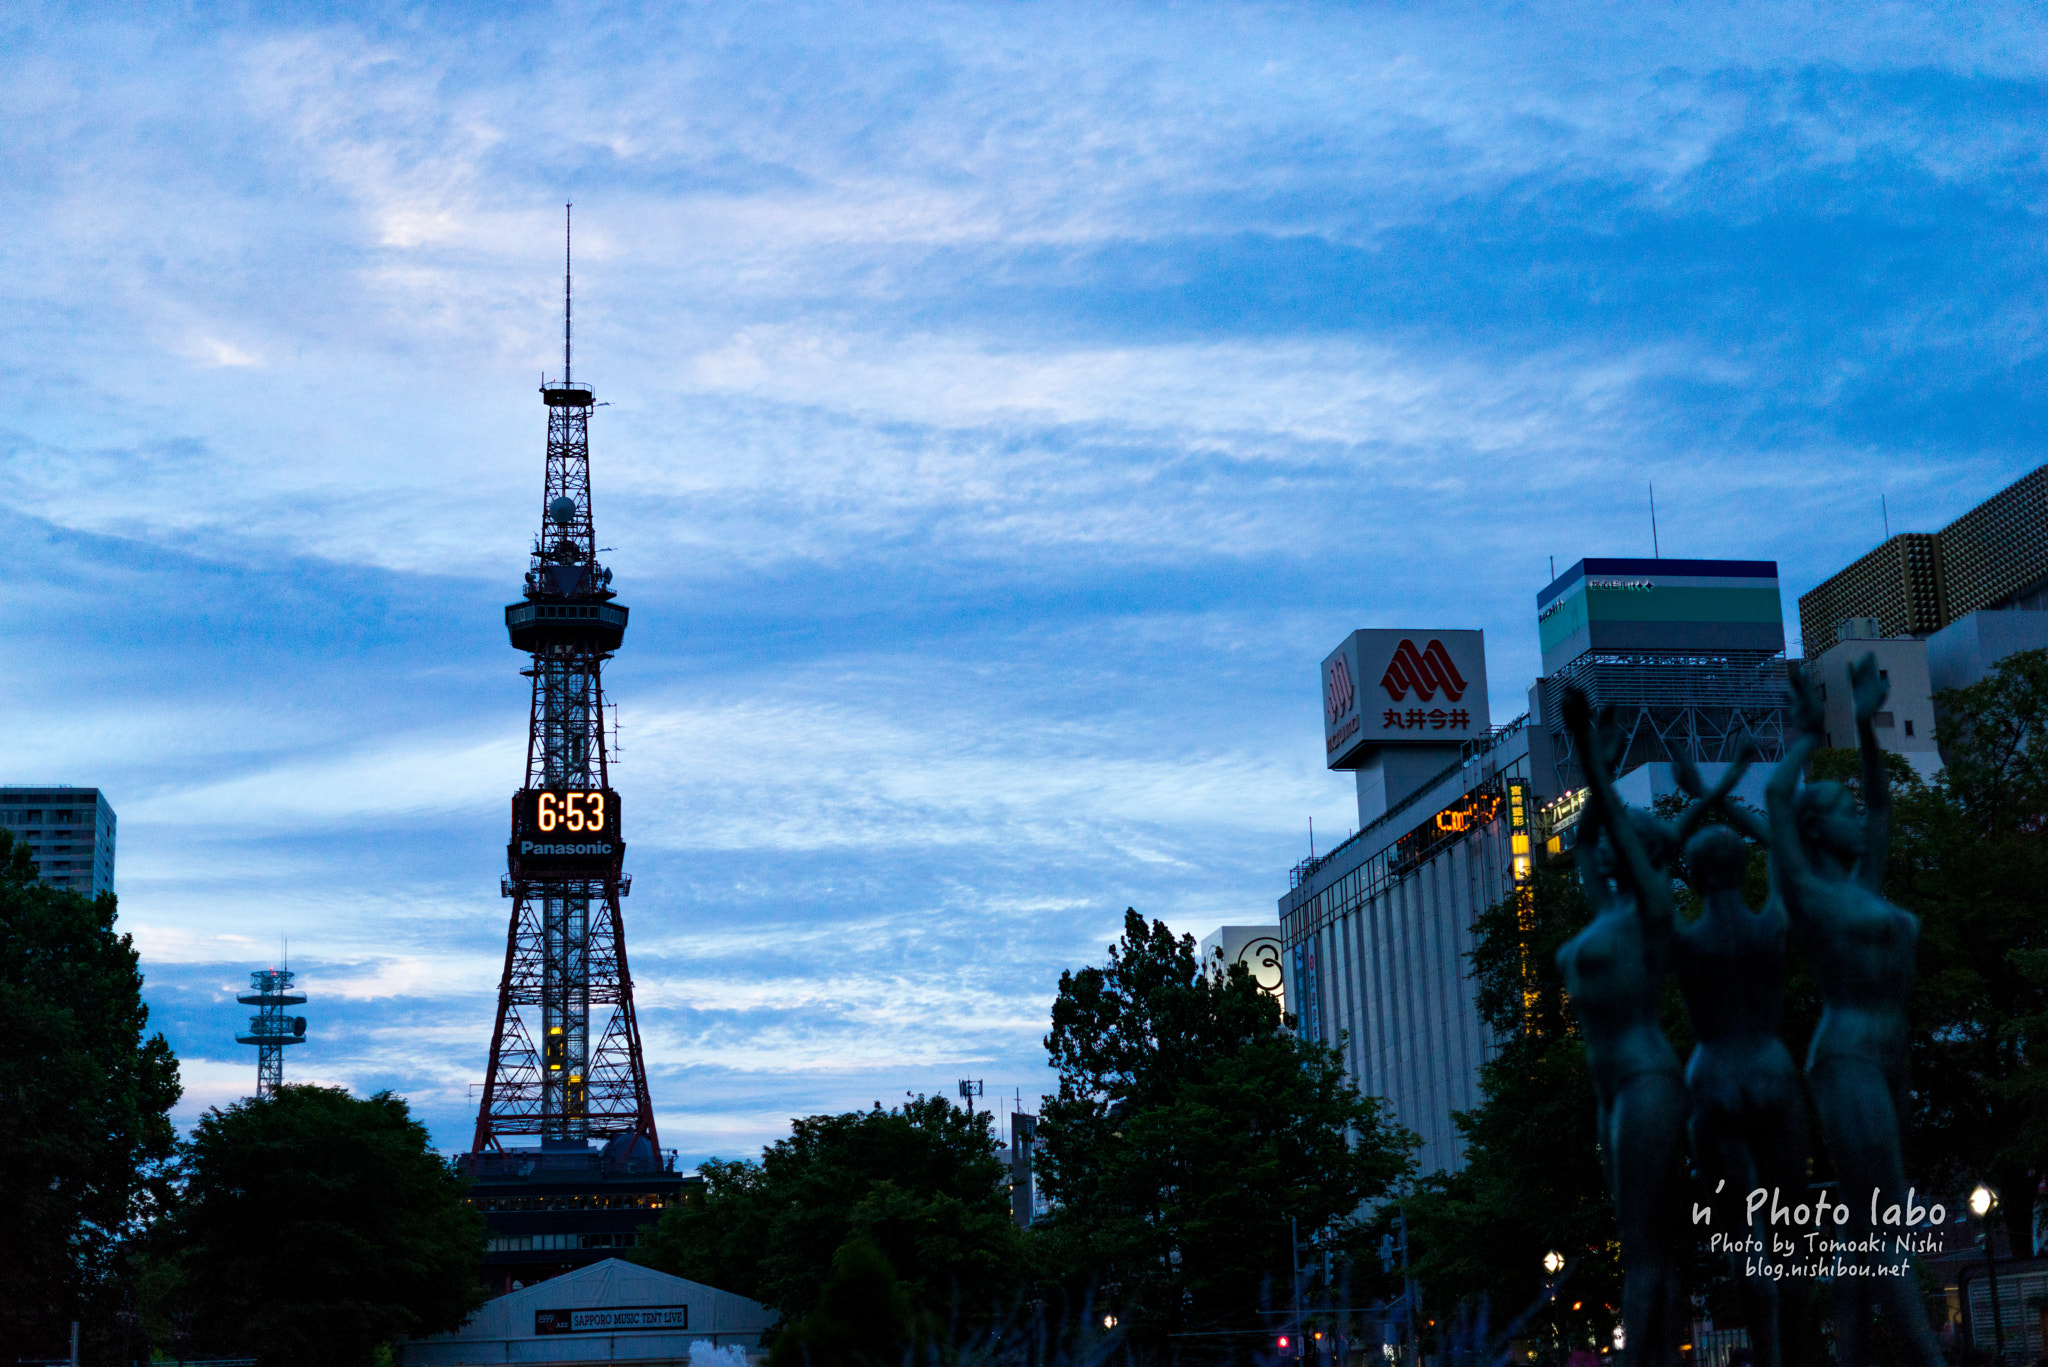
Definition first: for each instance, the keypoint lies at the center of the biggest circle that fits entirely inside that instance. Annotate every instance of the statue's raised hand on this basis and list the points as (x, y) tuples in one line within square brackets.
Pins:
[(1868, 687), (1807, 715), (1688, 775), (1578, 712)]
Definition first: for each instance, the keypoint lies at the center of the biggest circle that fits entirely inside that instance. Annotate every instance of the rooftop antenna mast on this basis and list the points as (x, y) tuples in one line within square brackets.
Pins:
[(568, 276)]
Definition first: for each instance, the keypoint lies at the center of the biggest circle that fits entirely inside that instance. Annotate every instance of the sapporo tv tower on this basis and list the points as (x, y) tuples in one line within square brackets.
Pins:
[(565, 950)]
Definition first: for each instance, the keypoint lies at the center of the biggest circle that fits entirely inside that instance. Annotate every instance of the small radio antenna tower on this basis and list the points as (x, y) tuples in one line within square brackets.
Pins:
[(568, 225), (270, 1029)]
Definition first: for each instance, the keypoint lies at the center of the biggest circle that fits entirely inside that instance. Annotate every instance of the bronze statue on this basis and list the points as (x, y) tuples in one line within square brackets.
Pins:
[(1614, 970), (1829, 867), (1748, 1123)]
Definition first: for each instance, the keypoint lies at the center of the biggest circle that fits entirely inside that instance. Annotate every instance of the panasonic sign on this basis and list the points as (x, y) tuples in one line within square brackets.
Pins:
[(535, 849)]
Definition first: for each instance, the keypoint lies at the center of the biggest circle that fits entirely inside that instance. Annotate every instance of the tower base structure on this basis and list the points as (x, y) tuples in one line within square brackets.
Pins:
[(568, 1204)]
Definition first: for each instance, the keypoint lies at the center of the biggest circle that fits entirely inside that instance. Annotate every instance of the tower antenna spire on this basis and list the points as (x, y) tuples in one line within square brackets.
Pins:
[(568, 226)]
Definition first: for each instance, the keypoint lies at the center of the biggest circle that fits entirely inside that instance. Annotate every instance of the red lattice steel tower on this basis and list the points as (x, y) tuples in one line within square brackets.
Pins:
[(565, 952)]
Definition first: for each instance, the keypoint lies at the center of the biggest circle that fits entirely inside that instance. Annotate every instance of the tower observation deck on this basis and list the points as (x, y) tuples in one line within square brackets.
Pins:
[(565, 1060)]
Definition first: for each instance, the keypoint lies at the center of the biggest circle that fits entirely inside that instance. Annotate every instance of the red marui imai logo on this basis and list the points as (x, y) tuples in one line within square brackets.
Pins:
[(1426, 671), (1341, 693)]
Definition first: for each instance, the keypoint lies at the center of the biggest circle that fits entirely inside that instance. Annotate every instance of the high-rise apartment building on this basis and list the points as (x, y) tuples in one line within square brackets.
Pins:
[(69, 833), (1993, 557), (1938, 609)]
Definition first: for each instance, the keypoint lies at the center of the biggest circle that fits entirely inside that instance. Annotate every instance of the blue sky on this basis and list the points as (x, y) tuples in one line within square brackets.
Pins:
[(1011, 404)]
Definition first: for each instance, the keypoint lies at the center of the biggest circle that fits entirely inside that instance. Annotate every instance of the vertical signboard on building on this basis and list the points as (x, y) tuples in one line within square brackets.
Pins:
[(1518, 829), (1341, 704), (1308, 1020), (1521, 860)]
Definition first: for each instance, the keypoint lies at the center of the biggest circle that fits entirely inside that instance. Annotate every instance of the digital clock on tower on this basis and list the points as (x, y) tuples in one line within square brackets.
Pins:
[(566, 826)]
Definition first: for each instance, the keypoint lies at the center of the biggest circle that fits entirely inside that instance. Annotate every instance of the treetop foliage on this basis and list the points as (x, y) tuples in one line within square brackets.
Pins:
[(1194, 1133), (1994, 743), (312, 1227), (1138, 1030), (85, 1095), (921, 1184), (864, 1317)]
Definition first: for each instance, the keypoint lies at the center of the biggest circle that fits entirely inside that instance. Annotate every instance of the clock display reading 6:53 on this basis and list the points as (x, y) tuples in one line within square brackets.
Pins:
[(572, 812), (565, 821)]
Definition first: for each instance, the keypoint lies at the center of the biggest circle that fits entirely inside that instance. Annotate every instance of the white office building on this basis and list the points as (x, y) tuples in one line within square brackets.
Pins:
[(1378, 932), (1966, 650), (1905, 725)]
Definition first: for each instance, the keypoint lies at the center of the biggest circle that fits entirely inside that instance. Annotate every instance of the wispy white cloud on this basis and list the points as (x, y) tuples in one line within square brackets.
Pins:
[(423, 775)]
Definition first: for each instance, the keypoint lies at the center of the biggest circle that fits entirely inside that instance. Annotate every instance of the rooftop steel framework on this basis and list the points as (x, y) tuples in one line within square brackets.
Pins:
[(565, 949), (1674, 702)]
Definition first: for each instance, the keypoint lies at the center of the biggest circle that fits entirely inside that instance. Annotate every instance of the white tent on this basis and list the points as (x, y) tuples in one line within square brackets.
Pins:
[(611, 1311)]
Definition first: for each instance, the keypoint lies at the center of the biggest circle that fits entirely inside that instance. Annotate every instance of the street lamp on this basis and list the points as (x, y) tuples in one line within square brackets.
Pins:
[(1981, 1202), (1553, 1263)]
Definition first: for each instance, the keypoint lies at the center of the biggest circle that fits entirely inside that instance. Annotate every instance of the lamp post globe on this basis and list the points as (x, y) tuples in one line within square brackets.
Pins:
[(1553, 1261), (1981, 1202)]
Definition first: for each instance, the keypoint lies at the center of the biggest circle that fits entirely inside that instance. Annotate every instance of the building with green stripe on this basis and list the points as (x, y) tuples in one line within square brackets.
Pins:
[(1689, 652)]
